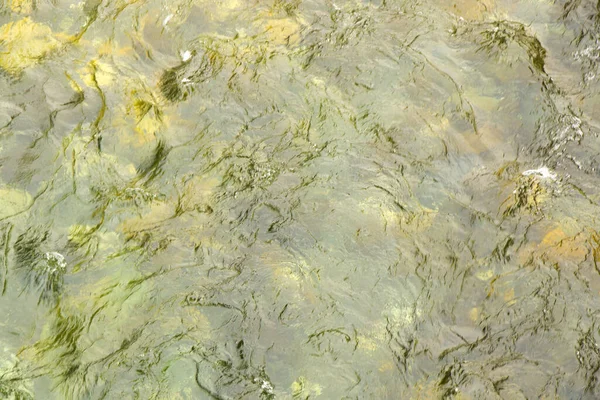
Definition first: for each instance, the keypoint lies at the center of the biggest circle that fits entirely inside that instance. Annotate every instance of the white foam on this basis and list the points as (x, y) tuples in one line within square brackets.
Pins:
[(56, 261), (265, 386), (186, 55), (542, 172)]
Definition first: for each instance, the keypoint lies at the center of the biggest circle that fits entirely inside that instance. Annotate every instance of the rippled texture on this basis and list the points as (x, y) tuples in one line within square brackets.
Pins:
[(288, 199)]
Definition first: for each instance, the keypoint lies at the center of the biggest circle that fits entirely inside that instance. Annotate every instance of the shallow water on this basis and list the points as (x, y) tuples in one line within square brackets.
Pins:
[(299, 199)]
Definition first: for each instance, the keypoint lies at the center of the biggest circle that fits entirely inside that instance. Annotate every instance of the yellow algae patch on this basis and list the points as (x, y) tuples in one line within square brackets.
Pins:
[(302, 388), (485, 275), (158, 213), (595, 242), (425, 391), (135, 135), (105, 48), (553, 237), (221, 10), (367, 344), (285, 276), (283, 31), (469, 9), (188, 319), (485, 103), (13, 201), (291, 276), (488, 139), (109, 48), (25, 43), (197, 193), (418, 221), (281, 24), (80, 234), (99, 74), (148, 117), (509, 295), (393, 219), (21, 6), (474, 314), (142, 119), (557, 246), (528, 195), (387, 366), (184, 394)]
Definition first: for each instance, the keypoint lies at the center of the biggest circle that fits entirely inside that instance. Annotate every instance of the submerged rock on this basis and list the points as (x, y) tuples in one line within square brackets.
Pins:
[(44, 271), (529, 194), (175, 83)]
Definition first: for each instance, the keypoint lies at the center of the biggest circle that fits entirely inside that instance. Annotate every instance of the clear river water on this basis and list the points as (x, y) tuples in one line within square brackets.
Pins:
[(299, 199)]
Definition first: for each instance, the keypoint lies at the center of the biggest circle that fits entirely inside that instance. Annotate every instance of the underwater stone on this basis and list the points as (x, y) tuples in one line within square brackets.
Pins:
[(169, 86)]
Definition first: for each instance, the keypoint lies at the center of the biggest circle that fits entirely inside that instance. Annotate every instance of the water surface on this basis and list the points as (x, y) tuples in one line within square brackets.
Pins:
[(287, 199)]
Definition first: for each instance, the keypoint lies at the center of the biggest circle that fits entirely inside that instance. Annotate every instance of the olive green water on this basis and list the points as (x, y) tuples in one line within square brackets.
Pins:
[(288, 199)]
